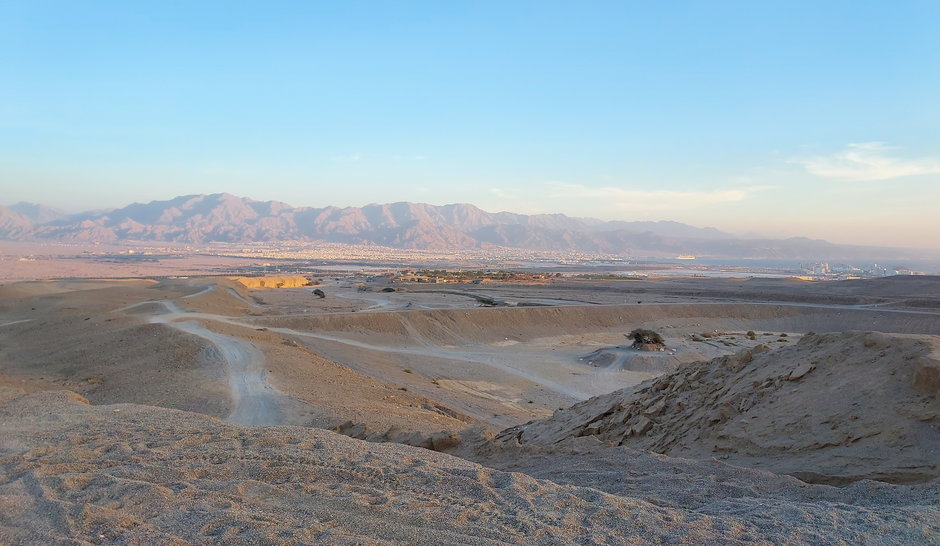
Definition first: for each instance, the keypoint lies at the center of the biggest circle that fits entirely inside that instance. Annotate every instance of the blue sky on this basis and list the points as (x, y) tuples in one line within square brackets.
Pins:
[(818, 119)]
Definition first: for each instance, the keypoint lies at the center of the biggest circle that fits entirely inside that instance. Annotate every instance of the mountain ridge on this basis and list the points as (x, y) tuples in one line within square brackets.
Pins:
[(223, 217)]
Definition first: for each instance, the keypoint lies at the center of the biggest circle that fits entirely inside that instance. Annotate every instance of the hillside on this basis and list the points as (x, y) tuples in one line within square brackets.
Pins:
[(125, 473), (834, 408), (199, 219)]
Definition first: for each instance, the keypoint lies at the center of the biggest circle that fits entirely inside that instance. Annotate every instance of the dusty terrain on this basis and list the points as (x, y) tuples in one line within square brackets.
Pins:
[(160, 475), (833, 408), (432, 366)]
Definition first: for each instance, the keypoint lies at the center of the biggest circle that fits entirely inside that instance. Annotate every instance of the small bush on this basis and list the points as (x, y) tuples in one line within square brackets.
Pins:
[(646, 337)]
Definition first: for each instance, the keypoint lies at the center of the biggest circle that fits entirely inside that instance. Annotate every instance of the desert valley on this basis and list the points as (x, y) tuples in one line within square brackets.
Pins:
[(220, 409), (469, 273)]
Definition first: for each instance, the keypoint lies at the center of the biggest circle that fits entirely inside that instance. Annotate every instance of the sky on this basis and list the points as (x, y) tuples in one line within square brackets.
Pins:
[(817, 119)]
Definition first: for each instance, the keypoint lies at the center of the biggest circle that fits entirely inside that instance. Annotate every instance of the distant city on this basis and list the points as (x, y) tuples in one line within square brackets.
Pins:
[(486, 265), (845, 271)]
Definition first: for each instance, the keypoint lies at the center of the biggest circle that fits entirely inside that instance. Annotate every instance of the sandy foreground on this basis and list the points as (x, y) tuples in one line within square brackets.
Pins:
[(197, 410), (120, 473)]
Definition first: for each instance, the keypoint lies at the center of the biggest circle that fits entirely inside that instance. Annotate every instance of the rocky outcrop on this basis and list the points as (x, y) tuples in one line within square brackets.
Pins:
[(282, 281), (833, 408)]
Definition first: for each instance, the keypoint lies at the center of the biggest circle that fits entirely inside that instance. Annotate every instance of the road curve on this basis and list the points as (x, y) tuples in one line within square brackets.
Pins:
[(255, 401)]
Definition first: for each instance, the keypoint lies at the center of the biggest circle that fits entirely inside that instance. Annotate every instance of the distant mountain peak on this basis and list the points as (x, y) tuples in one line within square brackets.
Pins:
[(39, 214), (224, 217)]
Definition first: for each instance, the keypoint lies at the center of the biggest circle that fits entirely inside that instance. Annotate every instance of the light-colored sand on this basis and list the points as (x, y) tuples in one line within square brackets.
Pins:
[(71, 336), (433, 369), (455, 326), (74, 473), (539, 357)]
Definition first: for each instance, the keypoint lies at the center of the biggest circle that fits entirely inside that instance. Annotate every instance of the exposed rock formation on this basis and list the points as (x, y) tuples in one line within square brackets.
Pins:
[(833, 408), (283, 281)]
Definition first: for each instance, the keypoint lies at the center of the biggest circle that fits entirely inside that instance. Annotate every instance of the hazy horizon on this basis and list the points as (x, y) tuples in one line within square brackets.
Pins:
[(778, 119), (744, 236)]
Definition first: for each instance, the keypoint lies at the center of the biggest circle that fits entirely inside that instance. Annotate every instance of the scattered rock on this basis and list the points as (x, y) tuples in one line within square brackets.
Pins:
[(801, 370), (833, 408)]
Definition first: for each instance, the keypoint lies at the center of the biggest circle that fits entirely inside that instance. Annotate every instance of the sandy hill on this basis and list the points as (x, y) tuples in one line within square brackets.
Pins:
[(832, 408), (117, 474), (453, 326)]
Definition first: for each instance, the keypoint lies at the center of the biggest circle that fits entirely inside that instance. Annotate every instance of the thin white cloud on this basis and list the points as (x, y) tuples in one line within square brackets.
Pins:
[(505, 199), (865, 161), (647, 200)]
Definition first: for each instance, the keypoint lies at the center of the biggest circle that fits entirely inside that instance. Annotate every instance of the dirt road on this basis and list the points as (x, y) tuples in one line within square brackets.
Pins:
[(255, 401)]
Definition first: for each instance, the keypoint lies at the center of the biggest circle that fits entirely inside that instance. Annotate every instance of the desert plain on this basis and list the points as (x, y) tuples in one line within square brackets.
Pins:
[(205, 409)]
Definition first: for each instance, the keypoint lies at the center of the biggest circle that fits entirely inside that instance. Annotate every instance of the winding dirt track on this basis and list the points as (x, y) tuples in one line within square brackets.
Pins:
[(246, 361), (255, 401)]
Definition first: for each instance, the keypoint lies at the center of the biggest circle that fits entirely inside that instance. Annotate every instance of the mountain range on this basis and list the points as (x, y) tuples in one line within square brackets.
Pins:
[(198, 219)]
